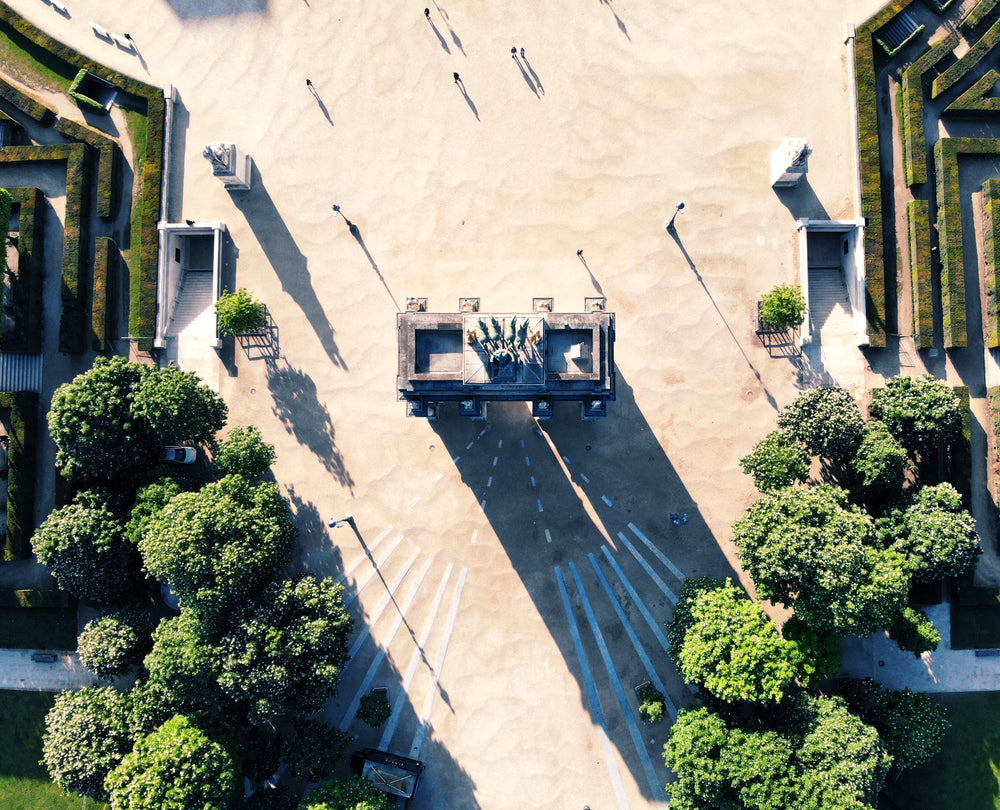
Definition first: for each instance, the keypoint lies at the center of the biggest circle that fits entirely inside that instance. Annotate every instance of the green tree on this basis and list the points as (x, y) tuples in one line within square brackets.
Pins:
[(86, 736), (184, 665), (821, 657), (911, 725), (84, 545), (913, 631), (881, 461), (179, 407), (111, 645), (316, 748), (694, 752), (807, 548), (760, 769), (923, 413), (939, 537), (733, 649), (221, 546), (827, 421), (148, 502), (285, 655), (784, 307), (354, 794), (777, 460), (175, 768), (95, 427), (245, 453), (239, 313)]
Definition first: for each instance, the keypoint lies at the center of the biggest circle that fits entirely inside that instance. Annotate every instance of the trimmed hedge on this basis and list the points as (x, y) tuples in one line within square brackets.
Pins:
[(142, 284), (869, 163), (918, 220), (893, 51), (993, 409), (25, 331), (107, 154), (912, 109), (105, 256), (977, 14), (960, 455), (28, 103), (946, 154), (33, 598), (975, 99), (972, 57), (74, 269), (991, 262), (83, 98), (21, 468), (940, 6)]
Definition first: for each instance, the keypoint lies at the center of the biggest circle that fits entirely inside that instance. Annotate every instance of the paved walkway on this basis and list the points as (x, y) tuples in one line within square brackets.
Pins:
[(944, 670), (18, 671)]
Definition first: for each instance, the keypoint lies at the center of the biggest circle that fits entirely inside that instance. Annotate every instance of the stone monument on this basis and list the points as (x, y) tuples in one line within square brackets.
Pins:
[(789, 162), (229, 164)]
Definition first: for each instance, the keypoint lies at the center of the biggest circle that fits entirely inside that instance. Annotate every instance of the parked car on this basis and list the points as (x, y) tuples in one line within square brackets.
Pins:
[(180, 455)]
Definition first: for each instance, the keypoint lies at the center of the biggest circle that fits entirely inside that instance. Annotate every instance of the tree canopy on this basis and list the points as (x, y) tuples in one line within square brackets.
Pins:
[(84, 545), (245, 453), (355, 794), (826, 420), (175, 768), (784, 307), (287, 652), (111, 645), (808, 548), (220, 546), (923, 413), (880, 461), (86, 736), (939, 536), (733, 649), (179, 407), (778, 460)]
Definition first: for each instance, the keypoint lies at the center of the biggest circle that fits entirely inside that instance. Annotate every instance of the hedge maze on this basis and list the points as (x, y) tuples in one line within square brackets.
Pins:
[(932, 82), (95, 224)]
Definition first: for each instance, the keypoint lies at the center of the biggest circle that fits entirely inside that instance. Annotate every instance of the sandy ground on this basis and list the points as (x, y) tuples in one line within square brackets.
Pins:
[(488, 188)]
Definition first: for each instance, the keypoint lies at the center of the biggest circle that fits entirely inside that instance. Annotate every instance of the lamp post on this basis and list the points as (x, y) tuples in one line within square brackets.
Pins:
[(680, 207)]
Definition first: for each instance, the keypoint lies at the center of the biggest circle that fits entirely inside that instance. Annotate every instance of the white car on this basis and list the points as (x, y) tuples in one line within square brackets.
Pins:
[(180, 455)]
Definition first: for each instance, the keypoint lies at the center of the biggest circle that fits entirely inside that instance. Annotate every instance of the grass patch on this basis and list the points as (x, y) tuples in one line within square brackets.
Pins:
[(962, 775), (38, 628), (24, 783)]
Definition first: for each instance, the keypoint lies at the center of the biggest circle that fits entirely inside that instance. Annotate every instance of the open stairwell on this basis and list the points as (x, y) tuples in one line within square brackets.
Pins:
[(191, 331)]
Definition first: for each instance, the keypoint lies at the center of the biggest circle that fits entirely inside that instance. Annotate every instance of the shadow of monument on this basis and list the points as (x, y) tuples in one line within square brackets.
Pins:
[(297, 405), (286, 259), (216, 8), (570, 496), (445, 783)]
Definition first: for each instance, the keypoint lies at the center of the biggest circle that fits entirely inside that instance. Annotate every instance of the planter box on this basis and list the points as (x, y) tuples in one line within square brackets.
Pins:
[(92, 92)]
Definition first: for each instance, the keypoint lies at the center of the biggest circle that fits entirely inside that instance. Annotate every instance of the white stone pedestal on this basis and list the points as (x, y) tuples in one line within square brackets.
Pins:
[(789, 162), (229, 164)]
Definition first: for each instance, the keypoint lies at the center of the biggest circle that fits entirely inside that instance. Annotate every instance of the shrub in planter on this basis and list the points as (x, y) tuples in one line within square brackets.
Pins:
[(239, 313), (652, 708), (783, 308), (375, 709)]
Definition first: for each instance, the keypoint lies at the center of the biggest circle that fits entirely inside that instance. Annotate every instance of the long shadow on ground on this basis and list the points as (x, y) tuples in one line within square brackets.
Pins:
[(574, 500)]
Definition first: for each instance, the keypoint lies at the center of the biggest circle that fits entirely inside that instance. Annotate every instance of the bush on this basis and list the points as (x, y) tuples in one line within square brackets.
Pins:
[(826, 420), (652, 706), (239, 313), (245, 453), (783, 308), (778, 460), (914, 632), (375, 709), (111, 645), (921, 412)]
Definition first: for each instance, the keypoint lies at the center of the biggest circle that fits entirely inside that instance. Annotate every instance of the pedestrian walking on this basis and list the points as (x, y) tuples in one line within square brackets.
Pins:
[(513, 53), (427, 13), (522, 53), (458, 79), (580, 253), (128, 37), (309, 83)]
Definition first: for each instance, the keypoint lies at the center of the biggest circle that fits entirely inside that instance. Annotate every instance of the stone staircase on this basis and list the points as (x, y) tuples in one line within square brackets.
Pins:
[(829, 307), (191, 331), (898, 31)]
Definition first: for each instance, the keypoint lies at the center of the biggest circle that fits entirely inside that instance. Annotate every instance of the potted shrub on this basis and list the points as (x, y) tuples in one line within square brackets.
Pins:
[(375, 709), (652, 705), (781, 309), (239, 313)]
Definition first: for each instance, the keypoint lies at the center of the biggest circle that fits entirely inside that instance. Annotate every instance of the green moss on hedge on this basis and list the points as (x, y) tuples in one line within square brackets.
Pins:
[(107, 153), (21, 467), (82, 98), (991, 262), (919, 226), (912, 109), (975, 100), (977, 14), (946, 154), (28, 103), (23, 332), (74, 269), (105, 256), (972, 57), (142, 304)]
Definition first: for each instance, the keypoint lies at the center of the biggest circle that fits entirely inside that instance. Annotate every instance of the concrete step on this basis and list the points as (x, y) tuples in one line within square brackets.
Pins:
[(194, 299)]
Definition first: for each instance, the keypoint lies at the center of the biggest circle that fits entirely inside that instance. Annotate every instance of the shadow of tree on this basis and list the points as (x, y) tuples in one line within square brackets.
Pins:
[(297, 405)]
